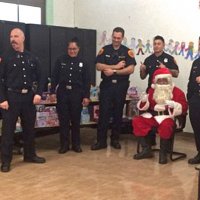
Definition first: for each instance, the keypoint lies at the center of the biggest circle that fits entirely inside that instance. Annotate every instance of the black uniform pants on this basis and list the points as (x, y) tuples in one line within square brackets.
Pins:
[(69, 106), (194, 114), (20, 105), (112, 99)]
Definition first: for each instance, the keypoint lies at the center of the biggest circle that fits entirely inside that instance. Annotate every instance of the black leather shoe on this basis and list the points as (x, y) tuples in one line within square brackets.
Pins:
[(98, 146), (5, 167), (195, 160), (115, 144), (35, 159), (63, 150), (77, 149)]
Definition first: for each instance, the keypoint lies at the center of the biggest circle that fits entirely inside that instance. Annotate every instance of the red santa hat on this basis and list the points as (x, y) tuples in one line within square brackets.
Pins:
[(161, 73)]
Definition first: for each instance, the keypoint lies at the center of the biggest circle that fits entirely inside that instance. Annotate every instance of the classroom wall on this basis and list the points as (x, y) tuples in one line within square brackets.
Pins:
[(173, 19)]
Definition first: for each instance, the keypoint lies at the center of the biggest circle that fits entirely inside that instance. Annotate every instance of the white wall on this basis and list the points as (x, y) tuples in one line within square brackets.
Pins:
[(60, 12), (176, 19)]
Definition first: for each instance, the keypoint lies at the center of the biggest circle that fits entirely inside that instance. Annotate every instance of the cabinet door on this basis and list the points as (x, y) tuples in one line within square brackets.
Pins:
[(5, 28), (89, 51), (38, 42)]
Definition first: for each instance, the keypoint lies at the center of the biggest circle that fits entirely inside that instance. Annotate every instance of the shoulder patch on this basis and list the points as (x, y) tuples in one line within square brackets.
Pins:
[(130, 53), (101, 52)]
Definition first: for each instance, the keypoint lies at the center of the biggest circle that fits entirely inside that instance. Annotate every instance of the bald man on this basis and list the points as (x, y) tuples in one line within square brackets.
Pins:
[(19, 71)]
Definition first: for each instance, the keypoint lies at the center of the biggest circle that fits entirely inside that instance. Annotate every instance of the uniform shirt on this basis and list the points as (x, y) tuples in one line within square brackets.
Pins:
[(152, 62), (71, 71), (19, 70), (193, 86), (108, 55)]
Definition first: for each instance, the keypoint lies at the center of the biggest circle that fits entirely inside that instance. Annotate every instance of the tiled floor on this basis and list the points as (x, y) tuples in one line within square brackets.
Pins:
[(107, 174)]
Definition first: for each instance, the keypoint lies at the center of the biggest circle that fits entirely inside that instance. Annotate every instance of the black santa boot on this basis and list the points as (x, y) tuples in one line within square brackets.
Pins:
[(146, 149), (164, 146)]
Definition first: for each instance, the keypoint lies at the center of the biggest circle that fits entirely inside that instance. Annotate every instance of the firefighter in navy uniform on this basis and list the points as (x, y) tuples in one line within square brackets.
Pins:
[(19, 69), (159, 59), (72, 76), (193, 96), (116, 62)]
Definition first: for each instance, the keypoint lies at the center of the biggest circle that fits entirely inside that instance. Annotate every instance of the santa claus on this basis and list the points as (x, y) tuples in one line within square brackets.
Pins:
[(163, 102)]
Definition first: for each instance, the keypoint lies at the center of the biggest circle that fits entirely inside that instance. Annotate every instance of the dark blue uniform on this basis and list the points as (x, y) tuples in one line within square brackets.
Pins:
[(113, 91), (152, 63), (193, 96), (18, 74), (73, 79)]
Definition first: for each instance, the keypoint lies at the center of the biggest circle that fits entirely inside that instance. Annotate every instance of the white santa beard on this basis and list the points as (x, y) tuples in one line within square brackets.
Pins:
[(162, 93)]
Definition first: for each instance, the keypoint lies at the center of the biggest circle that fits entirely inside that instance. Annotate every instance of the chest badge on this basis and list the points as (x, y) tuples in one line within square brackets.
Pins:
[(80, 64), (165, 60)]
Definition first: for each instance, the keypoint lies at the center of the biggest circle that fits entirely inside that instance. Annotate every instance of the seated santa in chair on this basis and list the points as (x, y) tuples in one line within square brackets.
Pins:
[(160, 106)]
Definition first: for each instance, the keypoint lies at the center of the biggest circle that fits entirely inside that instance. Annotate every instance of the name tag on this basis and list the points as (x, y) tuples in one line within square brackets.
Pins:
[(114, 81), (68, 87), (24, 91)]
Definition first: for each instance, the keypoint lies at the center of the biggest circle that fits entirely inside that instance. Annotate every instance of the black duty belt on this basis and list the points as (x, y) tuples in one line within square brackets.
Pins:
[(157, 113), (115, 81), (22, 91)]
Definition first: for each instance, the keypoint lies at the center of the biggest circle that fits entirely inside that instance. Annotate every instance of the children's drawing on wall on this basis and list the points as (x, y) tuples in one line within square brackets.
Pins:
[(175, 48), (125, 42), (182, 49), (148, 47), (198, 53), (140, 47), (103, 38), (169, 46), (132, 44), (190, 50)]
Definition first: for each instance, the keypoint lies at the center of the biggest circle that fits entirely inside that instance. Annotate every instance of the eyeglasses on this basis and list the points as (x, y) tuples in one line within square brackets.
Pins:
[(72, 49)]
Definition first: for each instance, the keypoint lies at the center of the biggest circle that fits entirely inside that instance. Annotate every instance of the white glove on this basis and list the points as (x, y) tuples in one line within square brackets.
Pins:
[(144, 97), (170, 103)]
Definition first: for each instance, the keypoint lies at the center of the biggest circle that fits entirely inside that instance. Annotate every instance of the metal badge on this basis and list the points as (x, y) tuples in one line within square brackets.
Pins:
[(80, 64), (165, 60), (24, 91), (114, 81), (68, 87)]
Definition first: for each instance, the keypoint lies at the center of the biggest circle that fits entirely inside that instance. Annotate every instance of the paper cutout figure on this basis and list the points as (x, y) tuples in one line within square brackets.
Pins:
[(182, 49), (103, 38), (175, 48), (140, 47), (198, 53), (148, 47), (169, 46), (132, 44), (190, 50)]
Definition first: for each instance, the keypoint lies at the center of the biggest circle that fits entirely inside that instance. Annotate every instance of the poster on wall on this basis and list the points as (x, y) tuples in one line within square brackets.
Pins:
[(188, 50)]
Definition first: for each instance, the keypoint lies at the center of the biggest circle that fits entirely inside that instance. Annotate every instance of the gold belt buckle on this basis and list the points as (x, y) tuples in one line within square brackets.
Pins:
[(160, 113), (68, 87), (24, 91), (114, 81)]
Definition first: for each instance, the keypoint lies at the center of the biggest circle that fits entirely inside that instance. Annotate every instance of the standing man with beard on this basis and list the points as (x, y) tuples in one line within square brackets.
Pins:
[(164, 101), (116, 62), (19, 70)]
